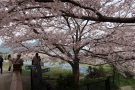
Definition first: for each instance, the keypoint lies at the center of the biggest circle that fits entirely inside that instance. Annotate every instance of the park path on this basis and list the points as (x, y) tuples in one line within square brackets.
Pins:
[(6, 78), (127, 88)]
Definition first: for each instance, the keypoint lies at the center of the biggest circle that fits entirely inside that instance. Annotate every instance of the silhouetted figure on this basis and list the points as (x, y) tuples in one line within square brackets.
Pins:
[(36, 59), (1, 63), (36, 63), (10, 61)]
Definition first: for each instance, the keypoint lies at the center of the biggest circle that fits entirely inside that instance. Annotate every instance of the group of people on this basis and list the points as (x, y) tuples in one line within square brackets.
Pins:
[(18, 60), (11, 61)]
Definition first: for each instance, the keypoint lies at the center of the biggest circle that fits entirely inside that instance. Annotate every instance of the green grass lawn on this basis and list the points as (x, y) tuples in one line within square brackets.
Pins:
[(125, 81), (5, 65)]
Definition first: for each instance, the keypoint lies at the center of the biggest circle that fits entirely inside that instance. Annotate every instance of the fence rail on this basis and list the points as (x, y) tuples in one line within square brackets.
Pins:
[(37, 82)]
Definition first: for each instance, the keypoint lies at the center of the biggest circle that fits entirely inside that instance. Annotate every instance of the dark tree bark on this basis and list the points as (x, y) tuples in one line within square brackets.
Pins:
[(75, 71)]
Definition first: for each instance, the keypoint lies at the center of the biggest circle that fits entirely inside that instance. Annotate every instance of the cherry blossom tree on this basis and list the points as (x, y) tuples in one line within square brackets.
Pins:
[(99, 10), (120, 11), (75, 41), (74, 31)]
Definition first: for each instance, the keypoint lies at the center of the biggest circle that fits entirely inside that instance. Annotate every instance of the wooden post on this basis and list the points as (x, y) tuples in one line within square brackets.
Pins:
[(16, 83), (88, 86), (107, 84), (32, 76)]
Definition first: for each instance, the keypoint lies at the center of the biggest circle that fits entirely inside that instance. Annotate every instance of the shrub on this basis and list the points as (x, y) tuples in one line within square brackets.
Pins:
[(96, 73), (64, 82)]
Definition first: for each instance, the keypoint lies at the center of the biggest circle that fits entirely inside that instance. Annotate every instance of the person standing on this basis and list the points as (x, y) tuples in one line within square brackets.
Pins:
[(1, 63), (36, 63), (10, 60), (36, 59), (18, 60)]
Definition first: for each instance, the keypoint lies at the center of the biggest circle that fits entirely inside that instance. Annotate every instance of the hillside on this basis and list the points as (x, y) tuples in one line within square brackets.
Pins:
[(5, 49)]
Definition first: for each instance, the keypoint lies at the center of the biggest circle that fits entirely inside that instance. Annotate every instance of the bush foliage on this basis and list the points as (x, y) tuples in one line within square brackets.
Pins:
[(64, 82)]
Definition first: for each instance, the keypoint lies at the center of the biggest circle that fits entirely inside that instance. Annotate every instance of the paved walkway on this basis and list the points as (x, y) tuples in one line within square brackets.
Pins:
[(5, 80), (127, 88), (6, 77)]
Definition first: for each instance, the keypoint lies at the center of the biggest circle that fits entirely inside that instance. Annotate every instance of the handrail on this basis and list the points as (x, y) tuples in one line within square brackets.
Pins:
[(16, 83), (45, 84), (42, 83)]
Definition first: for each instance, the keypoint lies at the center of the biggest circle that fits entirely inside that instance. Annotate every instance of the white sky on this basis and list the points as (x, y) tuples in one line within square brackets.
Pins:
[(0, 41)]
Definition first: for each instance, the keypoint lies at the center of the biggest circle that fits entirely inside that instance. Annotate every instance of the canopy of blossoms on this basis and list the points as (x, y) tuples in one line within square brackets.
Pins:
[(83, 29)]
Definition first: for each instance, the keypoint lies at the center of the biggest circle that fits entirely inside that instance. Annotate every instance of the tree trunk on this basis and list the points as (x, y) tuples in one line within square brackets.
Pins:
[(75, 71), (114, 73)]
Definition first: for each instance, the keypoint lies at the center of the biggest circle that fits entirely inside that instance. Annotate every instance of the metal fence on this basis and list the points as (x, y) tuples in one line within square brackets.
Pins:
[(37, 83), (108, 84)]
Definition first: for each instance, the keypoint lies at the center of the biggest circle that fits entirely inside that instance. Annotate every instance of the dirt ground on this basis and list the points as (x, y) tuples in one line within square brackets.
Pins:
[(127, 88), (6, 78)]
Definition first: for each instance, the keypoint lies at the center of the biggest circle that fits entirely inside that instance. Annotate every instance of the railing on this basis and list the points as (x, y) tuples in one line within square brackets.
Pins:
[(106, 84), (37, 82), (16, 83)]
